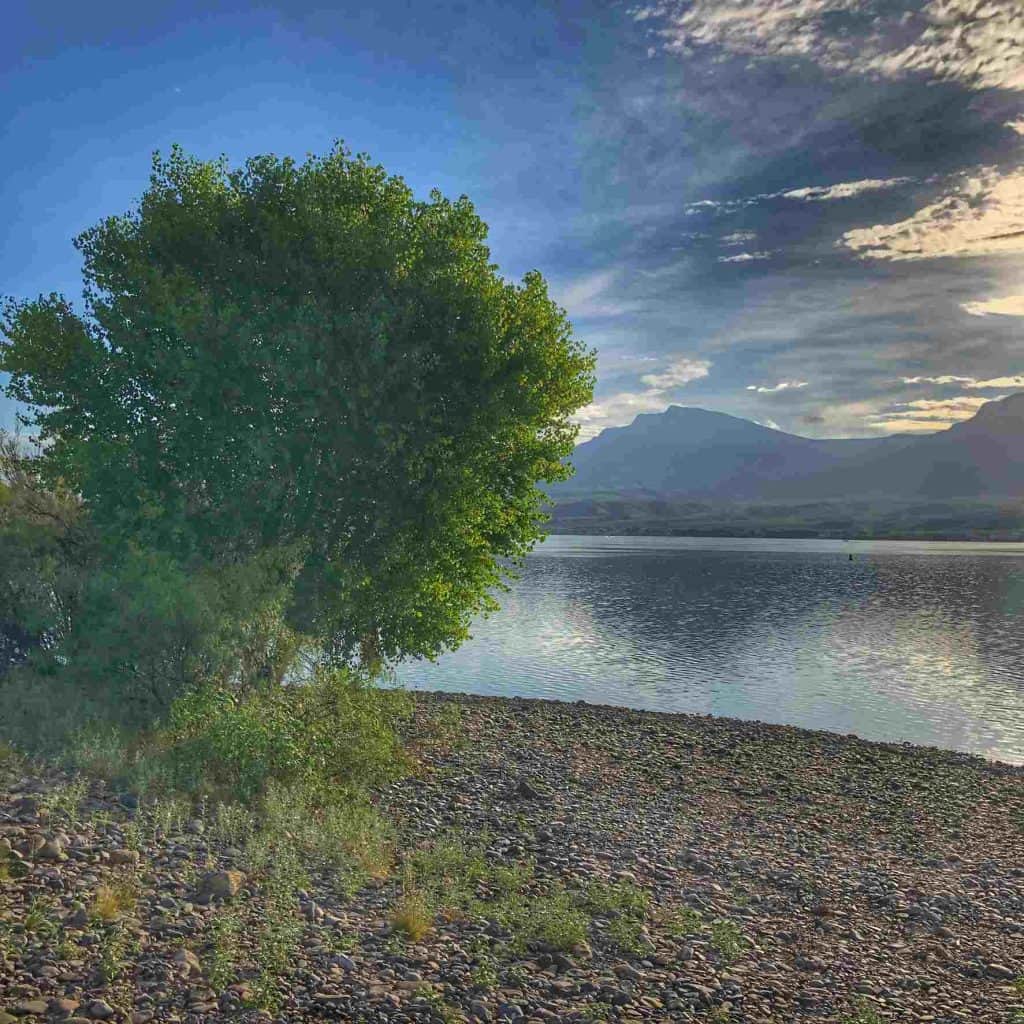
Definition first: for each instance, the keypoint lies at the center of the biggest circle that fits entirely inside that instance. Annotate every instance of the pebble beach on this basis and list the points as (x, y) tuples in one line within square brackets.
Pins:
[(787, 876)]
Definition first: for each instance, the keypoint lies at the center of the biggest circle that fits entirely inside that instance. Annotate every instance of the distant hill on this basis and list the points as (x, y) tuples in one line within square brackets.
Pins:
[(665, 466)]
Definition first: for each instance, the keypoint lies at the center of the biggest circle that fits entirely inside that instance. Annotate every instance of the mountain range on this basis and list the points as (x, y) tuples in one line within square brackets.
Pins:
[(686, 452), (689, 470)]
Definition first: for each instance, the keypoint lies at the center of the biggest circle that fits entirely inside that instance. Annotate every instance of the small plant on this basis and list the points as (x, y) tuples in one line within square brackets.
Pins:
[(719, 1015), (40, 917), (616, 898), (225, 949), (412, 916), (439, 1008), (276, 942), (863, 1013), (484, 976), (626, 933), (232, 824), (115, 898), (551, 919), (116, 945), (681, 921), (727, 940), (64, 800)]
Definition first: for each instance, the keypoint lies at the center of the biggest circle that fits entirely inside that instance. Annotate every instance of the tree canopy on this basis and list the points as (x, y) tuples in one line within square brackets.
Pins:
[(301, 364)]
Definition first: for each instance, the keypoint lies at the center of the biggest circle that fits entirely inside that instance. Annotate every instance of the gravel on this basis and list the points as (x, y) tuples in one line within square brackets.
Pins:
[(860, 882)]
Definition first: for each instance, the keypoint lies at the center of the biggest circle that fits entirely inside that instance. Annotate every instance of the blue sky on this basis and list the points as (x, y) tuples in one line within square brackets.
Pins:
[(806, 212)]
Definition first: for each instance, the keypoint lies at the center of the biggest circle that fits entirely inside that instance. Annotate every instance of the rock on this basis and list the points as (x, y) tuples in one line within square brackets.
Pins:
[(121, 857), (187, 963), (141, 1017), (52, 849), (346, 963), (1000, 972), (30, 1008), (528, 791), (62, 1008), (99, 1009), (221, 884)]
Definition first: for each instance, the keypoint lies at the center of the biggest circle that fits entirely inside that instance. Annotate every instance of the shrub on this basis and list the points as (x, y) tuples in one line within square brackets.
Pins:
[(334, 735)]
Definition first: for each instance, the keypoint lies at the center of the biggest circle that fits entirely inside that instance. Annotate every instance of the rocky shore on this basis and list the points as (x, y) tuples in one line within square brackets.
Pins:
[(719, 870)]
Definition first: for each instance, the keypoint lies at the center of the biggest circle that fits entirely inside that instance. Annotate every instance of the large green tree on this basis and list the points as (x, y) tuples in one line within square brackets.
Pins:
[(305, 358)]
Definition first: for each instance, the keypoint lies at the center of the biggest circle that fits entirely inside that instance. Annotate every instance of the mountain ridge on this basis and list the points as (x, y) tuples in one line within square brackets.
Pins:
[(700, 453)]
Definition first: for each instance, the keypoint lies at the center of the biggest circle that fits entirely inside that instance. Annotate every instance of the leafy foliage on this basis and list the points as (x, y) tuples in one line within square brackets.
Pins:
[(304, 362)]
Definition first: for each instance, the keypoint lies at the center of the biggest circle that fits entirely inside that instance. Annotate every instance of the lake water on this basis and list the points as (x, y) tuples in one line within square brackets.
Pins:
[(918, 641)]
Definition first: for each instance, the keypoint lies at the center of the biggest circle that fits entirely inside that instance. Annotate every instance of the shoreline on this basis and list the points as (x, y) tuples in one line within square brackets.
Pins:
[(894, 746), (782, 875)]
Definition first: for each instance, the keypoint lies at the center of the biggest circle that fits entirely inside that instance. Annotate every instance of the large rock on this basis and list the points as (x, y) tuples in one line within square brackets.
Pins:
[(221, 884)]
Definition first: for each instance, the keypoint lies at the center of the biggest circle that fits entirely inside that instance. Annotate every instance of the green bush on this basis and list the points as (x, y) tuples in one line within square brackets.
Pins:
[(336, 734)]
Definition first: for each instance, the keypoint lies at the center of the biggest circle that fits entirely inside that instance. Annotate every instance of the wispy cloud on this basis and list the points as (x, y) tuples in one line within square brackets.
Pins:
[(738, 238), (1007, 305), (783, 385), (621, 408), (745, 257), (587, 297), (676, 374), (1013, 381), (941, 40), (806, 193), (928, 414), (982, 215)]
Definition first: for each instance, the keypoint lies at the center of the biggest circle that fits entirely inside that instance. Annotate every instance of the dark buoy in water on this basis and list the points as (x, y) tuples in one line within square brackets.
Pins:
[(851, 557)]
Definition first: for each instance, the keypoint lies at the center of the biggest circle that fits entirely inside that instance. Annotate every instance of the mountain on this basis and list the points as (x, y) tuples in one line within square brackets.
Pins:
[(698, 454)]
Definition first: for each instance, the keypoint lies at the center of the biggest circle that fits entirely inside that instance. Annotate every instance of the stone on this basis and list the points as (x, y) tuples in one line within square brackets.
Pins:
[(52, 849), (187, 963), (99, 1009), (221, 884), (62, 1008), (30, 1008), (122, 857)]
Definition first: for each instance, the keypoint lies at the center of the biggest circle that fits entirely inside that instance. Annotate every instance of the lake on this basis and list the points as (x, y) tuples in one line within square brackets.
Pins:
[(916, 641)]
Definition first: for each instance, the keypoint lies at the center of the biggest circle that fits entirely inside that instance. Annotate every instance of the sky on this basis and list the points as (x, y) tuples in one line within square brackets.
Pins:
[(809, 213)]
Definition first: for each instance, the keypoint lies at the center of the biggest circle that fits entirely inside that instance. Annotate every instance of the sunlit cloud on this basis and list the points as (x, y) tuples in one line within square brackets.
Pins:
[(807, 193), (844, 190), (738, 238), (927, 414), (783, 385), (621, 408), (1008, 305), (982, 215), (677, 373), (980, 45), (1014, 381)]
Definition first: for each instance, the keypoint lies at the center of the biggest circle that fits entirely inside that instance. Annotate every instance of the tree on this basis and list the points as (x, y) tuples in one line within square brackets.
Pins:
[(305, 358)]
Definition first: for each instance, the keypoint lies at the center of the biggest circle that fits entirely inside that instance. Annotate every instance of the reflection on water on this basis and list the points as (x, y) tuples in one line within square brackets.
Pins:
[(908, 641)]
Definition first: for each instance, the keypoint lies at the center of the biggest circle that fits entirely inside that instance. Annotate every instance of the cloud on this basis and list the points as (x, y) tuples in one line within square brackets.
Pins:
[(676, 374), (745, 257), (1008, 305), (783, 385), (928, 414), (583, 297), (945, 379), (979, 45), (1015, 381), (621, 408), (738, 238), (1017, 126), (806, 193), (844, 190), (982, 215)]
